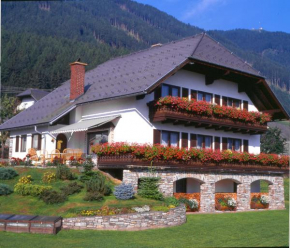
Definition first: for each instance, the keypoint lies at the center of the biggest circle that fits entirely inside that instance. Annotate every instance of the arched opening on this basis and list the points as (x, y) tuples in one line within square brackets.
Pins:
[(188, 188), (226, 195), (61, 142), (260, 194)]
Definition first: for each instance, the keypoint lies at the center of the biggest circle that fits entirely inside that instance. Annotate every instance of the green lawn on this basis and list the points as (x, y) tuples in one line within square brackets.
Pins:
[(248, 229), (18, 204)]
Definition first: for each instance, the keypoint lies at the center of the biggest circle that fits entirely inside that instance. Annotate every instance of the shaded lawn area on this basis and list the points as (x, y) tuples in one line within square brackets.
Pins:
[(249, 229)]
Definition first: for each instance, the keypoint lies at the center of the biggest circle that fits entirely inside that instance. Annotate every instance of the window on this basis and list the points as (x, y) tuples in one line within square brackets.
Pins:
[(232, 144), (203, 96), (23, 143), (169, 90), (96, 138), (204, 141), (36, 141), (231, 102), (170, 138)]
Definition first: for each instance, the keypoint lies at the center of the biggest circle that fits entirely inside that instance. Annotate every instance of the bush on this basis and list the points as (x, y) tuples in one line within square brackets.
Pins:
[(98, 185), (86, 176), (93, 196), (88, 165), (7, 173), (48, 177), (72, 188), (124, 191), (63, 172), (30, 189), (171, 201), (148, 188), (25, 179), (5, 189), (50, 196)]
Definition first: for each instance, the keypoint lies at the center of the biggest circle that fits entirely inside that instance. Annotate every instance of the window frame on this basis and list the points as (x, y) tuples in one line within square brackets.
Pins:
[(204, 94), (170, 89), (38, 147), (203, 141), (22, 148), (233, 144), (169, 138)]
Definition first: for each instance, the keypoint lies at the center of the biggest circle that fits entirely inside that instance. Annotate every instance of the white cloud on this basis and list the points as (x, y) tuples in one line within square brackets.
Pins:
[(201, 7)]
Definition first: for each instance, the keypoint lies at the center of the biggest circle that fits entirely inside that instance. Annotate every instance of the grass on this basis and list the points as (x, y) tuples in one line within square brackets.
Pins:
[(248, 229), (18, 204)]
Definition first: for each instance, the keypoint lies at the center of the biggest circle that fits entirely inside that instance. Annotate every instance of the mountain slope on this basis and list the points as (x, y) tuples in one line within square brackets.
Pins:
[(40, 39)]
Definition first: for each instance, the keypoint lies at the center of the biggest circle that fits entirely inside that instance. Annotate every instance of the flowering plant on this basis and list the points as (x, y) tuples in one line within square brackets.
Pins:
[(209, 109), (232, 202), (264, 199), (25, 179), (158, 152), (194, 203), (105, 210)]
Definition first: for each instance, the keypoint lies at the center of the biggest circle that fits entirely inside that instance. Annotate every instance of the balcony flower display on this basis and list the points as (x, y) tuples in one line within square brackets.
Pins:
[(260, 201), (224, 202), (213, 110), (147, 152)]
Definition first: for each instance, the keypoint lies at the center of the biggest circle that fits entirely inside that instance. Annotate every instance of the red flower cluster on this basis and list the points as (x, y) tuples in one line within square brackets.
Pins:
[(163, 153), (16, 161), (28, 155), (205, 108)]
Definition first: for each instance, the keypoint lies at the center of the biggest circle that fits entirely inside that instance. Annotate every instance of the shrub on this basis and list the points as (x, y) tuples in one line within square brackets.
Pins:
[(98, 185), (7, 173), (5, 189), (25, 179), (93, 196), (88, 165), (86, 176), (63, 172), (48, 177), (148, 188), (4, 164), (124, 191), (171, 201), (72, 188), (50, 196), (30, 189)]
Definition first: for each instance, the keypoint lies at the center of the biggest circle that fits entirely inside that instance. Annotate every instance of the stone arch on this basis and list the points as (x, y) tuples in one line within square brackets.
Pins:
[(187, 184)]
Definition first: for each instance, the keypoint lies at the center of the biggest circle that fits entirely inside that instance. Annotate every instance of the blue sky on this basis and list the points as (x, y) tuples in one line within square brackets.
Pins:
[(271, 15)]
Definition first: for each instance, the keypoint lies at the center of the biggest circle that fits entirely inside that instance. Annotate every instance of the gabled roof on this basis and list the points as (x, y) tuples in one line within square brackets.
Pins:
[(36, 94), (133, 74)]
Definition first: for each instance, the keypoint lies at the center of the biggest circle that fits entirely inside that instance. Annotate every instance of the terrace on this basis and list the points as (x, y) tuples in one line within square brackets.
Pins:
[(180, 111)]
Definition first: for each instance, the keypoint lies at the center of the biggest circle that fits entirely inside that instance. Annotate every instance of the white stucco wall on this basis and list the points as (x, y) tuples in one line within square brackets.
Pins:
[(224, 186), (26, 103)]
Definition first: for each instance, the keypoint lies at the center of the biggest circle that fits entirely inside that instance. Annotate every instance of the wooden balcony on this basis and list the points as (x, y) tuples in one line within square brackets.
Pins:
[(165, 114), (129, 161)]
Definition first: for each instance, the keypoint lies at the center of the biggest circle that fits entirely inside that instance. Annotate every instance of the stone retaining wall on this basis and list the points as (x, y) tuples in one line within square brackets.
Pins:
[(207, 186), (127, 222)]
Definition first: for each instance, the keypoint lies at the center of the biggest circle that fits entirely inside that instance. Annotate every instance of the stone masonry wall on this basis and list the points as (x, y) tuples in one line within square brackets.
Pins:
[(129, 222), (207, 187)]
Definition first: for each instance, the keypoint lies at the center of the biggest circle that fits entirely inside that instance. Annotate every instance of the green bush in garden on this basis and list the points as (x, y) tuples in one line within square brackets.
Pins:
[(71, 188), (5, 189), (30, 189), (50, 196), (98, 185), (63, 172), (171, 201), (7, 173), (93, 196), (148, 188)]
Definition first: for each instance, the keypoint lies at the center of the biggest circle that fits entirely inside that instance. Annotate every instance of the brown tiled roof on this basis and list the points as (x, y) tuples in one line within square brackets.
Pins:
[(132, 74)]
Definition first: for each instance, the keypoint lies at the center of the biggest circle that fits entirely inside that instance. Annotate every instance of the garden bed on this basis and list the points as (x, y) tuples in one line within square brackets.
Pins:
[(129, 222)]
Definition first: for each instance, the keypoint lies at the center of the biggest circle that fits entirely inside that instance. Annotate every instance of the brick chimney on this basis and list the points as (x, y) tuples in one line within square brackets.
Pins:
[(77, 81)]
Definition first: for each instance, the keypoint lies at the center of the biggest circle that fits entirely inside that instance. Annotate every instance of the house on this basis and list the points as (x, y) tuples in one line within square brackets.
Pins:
[(115, 103), (28, 97)]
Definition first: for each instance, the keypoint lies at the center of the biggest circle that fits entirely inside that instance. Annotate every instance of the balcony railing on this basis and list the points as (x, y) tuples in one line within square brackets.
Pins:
[(127, 161), (167, 114)]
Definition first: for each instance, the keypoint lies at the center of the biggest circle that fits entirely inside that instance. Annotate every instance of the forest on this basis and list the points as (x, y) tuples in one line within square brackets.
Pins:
[(40, 39)]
